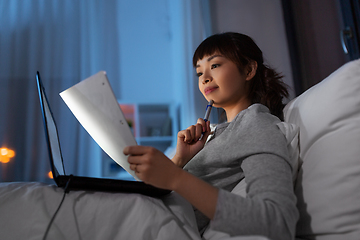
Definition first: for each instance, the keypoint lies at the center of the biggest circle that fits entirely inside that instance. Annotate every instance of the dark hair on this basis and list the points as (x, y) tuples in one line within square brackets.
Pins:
[(267, 86)]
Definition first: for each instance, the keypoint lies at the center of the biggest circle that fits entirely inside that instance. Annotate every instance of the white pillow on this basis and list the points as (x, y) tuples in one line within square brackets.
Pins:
[(291, 133), (328, 185)]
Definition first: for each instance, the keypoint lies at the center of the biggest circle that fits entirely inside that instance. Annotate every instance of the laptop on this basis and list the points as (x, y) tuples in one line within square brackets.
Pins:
[(81, 182)]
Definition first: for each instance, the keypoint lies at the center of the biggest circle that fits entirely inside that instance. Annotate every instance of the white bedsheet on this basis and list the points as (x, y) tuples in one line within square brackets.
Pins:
[(26, 209)]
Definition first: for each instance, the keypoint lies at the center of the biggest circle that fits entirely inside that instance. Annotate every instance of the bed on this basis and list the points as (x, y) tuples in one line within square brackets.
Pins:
[(27, 208), (327, 186)]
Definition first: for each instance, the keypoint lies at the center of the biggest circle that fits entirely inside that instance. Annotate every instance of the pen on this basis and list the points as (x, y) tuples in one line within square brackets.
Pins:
[(207, 114)]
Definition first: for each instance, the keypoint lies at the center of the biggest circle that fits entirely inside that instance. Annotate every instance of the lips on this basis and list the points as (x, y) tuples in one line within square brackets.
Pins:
[(209, 90)]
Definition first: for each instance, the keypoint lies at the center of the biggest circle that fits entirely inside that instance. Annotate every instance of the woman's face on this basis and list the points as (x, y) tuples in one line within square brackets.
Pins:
[(221, 81)]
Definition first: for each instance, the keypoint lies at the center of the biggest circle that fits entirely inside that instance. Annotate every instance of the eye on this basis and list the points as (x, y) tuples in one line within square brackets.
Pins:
[(215, 66), (199, 74)]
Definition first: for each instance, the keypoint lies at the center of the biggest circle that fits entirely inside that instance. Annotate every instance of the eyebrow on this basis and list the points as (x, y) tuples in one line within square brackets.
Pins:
[(210, 58)]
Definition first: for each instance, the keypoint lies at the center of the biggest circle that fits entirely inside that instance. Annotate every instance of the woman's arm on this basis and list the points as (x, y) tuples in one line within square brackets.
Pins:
[(188, 143), (200, 194), (269, 208), (154, 168)]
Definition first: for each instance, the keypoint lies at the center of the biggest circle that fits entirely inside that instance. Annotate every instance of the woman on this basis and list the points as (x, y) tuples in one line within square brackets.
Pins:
[(249, 145)]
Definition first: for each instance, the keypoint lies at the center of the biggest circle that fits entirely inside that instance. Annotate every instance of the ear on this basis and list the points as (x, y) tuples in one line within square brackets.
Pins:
[(251, 70)]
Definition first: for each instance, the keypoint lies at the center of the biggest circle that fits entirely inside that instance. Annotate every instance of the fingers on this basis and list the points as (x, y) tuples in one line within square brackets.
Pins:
[(135, 156), (205, 134), (193, 133), (136, 150), (150, 165), (203, 124), (134, 167), (139, 157), (133, 159)]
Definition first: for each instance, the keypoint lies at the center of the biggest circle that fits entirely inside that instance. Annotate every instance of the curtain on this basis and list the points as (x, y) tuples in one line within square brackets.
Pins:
[(66, 41), (192, 22)]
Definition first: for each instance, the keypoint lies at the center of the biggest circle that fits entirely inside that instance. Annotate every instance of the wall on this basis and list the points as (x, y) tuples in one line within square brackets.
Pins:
[(317, 28), (145, 51), (263, 21)]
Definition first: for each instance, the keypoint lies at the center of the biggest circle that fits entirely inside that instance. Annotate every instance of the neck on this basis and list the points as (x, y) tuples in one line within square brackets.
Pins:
[(231, 112)]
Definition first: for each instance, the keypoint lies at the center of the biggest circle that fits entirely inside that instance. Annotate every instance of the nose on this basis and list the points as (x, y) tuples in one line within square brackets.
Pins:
[(204, 81), (206, 78)]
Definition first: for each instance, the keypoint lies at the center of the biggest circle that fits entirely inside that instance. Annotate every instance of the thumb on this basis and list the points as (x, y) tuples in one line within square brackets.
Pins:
[(206, 133)]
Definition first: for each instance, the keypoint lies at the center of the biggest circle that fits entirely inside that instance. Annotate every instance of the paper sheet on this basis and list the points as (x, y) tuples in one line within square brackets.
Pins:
[(93, 103)]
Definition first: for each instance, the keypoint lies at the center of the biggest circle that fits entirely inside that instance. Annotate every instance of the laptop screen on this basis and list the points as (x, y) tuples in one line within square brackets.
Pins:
[(50, 132), (53, 138)]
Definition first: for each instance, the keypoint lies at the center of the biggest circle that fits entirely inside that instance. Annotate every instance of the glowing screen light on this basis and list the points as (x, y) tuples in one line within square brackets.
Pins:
[(6, 154)]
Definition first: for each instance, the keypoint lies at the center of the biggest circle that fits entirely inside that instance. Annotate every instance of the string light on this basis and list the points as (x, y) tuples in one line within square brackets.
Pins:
[(6, 154)]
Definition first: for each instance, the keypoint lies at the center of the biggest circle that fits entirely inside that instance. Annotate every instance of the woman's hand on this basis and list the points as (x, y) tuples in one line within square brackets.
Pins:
[(189, 143), (152, 166)]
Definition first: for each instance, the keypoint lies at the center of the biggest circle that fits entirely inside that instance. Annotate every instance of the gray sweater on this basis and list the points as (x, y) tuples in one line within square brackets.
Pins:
[(251, 146)]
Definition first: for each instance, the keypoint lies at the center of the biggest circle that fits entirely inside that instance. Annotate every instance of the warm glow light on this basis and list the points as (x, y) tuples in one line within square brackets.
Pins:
[(4, 159), (50, 175), (6, 154), (11, 153)]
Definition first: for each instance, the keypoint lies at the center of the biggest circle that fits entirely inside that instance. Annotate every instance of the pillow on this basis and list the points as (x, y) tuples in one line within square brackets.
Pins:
[(291, 133), (328, 184)]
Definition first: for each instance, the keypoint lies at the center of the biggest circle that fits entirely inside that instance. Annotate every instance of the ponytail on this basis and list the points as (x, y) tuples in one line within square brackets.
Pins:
[(268, 89)]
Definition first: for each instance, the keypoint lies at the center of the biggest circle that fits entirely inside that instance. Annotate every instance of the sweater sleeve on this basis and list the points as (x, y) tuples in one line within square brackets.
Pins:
[(270, 206)]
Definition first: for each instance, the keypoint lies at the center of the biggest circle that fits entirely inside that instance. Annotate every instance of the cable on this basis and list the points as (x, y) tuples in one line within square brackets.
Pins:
[(66, 190)]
